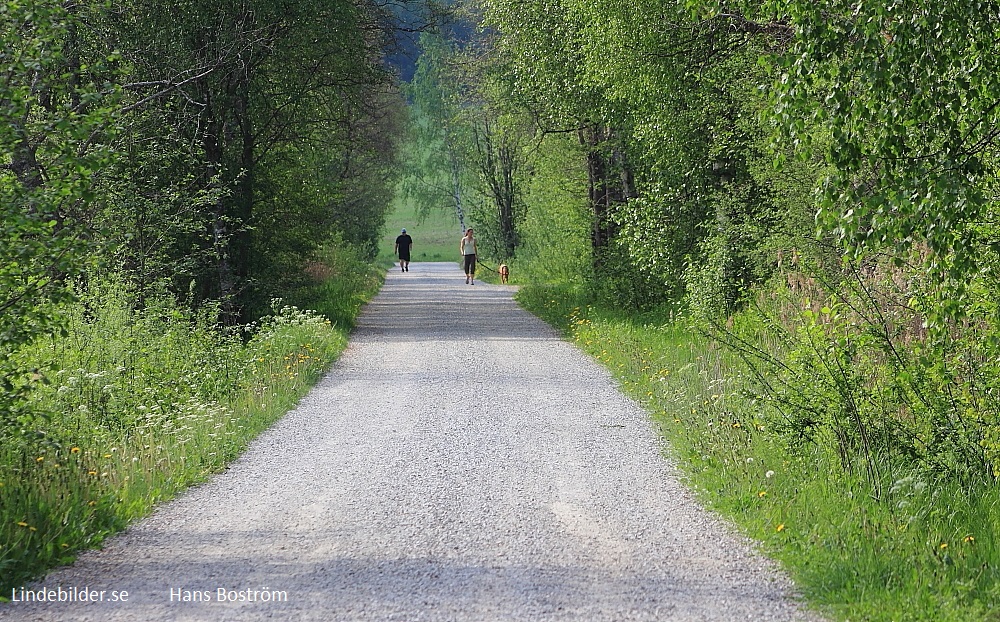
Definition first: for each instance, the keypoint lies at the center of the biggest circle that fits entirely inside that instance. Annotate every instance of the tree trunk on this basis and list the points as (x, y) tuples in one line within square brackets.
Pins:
[(610, 183)]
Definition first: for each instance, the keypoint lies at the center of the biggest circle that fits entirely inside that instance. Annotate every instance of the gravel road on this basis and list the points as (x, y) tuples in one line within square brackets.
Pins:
[(460, 462)]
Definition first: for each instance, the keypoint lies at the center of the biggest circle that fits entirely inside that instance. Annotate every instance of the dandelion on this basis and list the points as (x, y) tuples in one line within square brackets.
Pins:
[(91, 503), (968, 539), (762, 494), (91, 472), (40, 459), (943, 546), (32, 529), (74, 450), (749, 460), (769, 474), (22, 524), (780, 527), (107, 455)]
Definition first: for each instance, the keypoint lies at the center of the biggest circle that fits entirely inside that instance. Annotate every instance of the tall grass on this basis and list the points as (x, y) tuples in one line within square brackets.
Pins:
[(133, 405), (924, 550)]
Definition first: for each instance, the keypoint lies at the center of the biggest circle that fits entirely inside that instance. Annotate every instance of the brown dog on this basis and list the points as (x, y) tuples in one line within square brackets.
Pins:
[(504, 273)]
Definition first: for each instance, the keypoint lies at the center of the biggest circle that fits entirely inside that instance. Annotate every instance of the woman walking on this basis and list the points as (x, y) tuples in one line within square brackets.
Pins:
[(468, 249)]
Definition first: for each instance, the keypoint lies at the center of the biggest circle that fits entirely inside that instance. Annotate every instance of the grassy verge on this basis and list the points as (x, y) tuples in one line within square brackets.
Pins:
[(133, 406), (924, 551)]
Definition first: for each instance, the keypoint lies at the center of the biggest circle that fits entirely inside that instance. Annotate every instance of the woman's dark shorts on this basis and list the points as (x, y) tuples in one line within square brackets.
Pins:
[(470, 264)]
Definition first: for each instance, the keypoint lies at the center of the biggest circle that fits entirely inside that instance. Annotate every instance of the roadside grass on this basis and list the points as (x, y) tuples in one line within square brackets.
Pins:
[(435, 238), (131, 407), (342, 281), (926, 551)]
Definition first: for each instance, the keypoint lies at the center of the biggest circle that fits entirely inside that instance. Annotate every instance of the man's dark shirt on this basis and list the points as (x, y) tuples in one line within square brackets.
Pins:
[(404, 241)]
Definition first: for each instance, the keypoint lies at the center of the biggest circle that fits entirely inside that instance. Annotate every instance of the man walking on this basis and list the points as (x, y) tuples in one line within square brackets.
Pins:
[(403, 244)]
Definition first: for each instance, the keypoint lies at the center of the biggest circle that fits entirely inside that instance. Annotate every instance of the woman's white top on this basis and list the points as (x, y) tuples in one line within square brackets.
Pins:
[(468, 246)]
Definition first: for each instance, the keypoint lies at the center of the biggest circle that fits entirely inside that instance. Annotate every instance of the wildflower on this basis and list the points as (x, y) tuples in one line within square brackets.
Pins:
[(769, 474), (968, 539), (74, 450), (91, 472), (65, 546), (91, 503), (107, 455), (762, 494), (943, 546), (780, 527), (749, 460), (22, 524), (32, 529), (40, 459)]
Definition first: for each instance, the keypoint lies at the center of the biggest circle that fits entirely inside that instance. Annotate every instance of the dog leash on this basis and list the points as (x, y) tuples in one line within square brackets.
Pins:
[(485, 266)]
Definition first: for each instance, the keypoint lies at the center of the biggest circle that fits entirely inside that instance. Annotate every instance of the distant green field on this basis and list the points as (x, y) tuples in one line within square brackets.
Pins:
[(434, 239)]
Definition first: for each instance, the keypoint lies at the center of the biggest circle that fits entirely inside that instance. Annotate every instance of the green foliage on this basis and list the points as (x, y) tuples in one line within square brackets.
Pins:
[(555, 239), (859, 375), (51, 131), (438, 174), (669, 113), (908, 93)]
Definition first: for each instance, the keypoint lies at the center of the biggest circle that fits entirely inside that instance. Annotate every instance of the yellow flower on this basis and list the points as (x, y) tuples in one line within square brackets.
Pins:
[(107, 455), (91, 503), (65, 546), (74, 450), (91, 472), (944, 545), (22, 524), (762, 493), (780, 527), (40, 459), (32, 529), (968, 539)]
